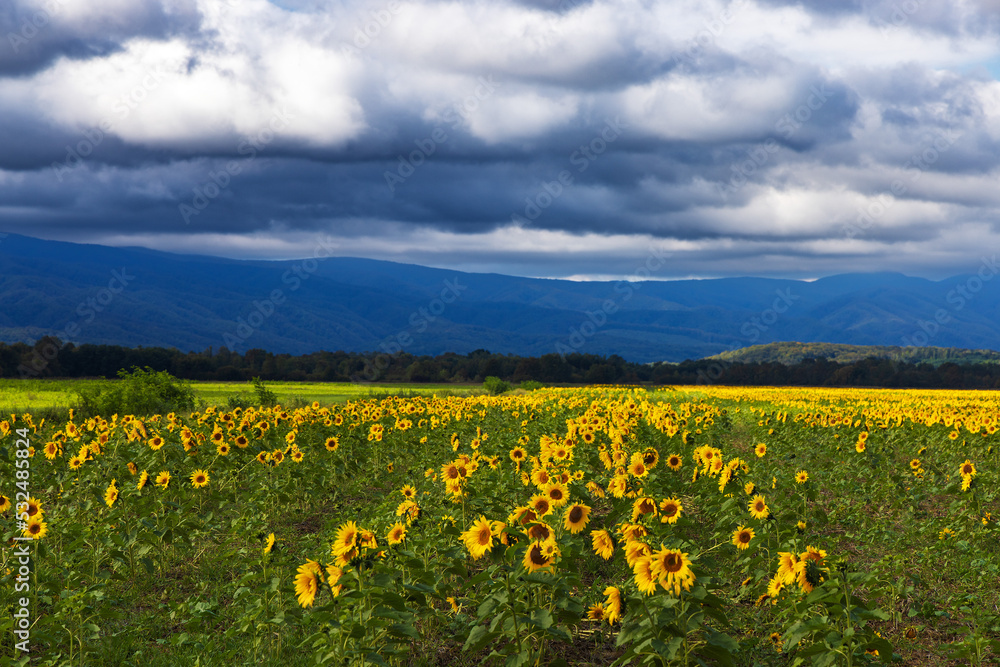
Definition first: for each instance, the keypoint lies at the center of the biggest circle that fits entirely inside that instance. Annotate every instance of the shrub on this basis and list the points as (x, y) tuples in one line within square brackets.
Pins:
[(137, 392), (262, 396), (494, 385), (531, 385)]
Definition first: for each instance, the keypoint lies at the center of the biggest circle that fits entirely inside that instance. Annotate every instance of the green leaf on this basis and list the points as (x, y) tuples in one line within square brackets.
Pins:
[(518, 659), (404, 630), (478, 638), (541, 618)]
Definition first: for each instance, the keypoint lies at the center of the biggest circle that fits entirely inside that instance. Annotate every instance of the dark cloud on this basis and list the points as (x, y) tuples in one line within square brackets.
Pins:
[(750, 155), (36, 34)]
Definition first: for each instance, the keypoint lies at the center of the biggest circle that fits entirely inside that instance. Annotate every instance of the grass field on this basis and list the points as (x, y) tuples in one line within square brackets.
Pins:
[(579, 526), (40, 395)]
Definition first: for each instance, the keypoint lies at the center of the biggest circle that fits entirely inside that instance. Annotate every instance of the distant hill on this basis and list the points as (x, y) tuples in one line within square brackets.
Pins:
[(791, 353), (358, 305)]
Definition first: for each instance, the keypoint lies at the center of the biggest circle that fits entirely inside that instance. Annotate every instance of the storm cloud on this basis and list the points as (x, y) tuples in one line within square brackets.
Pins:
[(556, 138)]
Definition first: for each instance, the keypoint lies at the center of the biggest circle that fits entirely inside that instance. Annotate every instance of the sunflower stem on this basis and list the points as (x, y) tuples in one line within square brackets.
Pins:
[(850, 625), (510, 601)]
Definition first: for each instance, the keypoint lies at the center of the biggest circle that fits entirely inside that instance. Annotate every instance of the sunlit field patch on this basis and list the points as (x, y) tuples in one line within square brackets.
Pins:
[(695, 525)]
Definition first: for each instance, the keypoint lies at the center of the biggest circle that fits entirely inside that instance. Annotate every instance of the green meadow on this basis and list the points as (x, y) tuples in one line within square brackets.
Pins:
[(57, 395)]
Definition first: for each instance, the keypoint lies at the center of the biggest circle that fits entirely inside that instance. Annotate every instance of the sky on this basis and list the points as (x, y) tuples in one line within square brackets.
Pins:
[(548, 138)]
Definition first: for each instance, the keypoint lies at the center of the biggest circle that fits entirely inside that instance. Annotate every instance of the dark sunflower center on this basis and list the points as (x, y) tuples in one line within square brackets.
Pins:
[(536, 556), (672, 563), (576, 514)]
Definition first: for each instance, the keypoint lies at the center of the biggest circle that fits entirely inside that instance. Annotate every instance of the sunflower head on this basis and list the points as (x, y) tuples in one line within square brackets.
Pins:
[(742, 537), (199, 479)]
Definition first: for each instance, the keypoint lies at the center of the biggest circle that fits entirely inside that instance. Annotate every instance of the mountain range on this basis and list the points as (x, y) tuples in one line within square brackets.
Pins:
[(142, 297)]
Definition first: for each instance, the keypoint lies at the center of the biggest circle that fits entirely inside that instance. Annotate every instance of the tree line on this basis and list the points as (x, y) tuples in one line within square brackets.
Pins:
[(51, 358)]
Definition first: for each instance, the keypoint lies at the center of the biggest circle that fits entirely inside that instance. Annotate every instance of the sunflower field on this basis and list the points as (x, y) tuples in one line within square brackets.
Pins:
[(571, 526)]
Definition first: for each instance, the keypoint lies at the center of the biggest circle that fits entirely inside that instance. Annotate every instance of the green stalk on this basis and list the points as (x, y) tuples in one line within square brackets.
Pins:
[(510, 601)]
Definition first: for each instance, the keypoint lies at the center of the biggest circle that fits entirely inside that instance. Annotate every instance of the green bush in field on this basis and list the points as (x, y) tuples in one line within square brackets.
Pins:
[(261, 396), (137, 392), (495, 386), (530, 385)]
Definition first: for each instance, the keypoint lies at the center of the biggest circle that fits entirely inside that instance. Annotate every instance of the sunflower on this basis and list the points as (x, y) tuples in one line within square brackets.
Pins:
[(617, 486), (774, 588), (859, 446), (52, 450), (786, 567), (397, 533), (673, 569), (633, 531), (576, 517), (346, 539), (604, 545), (643, 506), (742, 536), (35, 528), (307, 583), (758, 507), (223, 449), (156, 443), (522, 515), (540, 504), (262, 457), (163, 479), (558, 494), (674, 461), (366, 539), (297, 455), (637, 468), (269, 543), (915, 464), (479, 538), (596, 612), (332, 444), (776, 640), (242, 441), (535, 557), (277, 456), (644, 579), (111, 494), (967, 469), (408, 492), (333, 575), (748, 488), (143, 478), (635, 550), (670, 510), (760, 450), (540, 477), (801, 526), (199, 479), (650, 457), (612, 604), (518, 455), (75, 463), (539, 531), (34, 508), (4, 503), (450, 473)]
